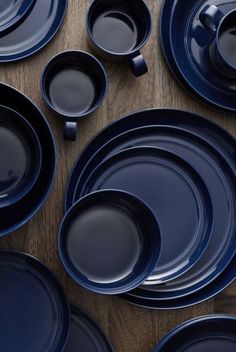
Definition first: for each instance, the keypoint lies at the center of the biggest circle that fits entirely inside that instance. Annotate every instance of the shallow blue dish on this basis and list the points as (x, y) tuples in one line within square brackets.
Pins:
[(35, 32), (207, 333), (173, 190), (25, 209), (109, 242), (187, 52), (12, 13), (85, 334), (35, 314)]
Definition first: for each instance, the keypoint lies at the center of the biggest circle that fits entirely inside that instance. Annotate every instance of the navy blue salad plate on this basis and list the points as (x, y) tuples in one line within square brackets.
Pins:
[(109, 242), (173, 190), (188, 51), (211, 151), (13, 12), (207, 333), (85, 334), (35, 314), (28, 206), (37, 29)]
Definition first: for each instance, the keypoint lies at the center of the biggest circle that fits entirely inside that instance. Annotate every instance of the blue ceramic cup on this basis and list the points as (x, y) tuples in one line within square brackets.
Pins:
[(109, 242), (20, 157), (118, 29), (73, 85), (222, 50)]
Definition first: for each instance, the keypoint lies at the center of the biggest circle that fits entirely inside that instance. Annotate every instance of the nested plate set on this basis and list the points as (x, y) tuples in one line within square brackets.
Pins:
[(150, 210)]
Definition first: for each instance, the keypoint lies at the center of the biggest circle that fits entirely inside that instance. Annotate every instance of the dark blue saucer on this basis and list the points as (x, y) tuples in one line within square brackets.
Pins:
[(13, 12), (175, 193), (208, 333), (35, 314), (187, 52), (109, 242), (35, 32), (17, 215), (85, 334)]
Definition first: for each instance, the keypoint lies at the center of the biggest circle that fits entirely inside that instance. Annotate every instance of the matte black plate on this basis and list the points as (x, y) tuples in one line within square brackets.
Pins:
[(35, 314), (208, 333), (85, 334)]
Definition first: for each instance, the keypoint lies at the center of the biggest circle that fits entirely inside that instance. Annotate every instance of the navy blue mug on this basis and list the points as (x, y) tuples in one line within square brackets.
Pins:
[(223, 48), (73, 85), (118, 29)]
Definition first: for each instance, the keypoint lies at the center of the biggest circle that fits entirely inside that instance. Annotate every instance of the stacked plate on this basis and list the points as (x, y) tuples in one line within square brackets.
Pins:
[(27, 159), (26, 26), (35, 314), (183, 167)]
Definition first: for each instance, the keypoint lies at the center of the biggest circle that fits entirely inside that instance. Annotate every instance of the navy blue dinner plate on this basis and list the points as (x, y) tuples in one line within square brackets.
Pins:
[(207, 160), (187, 52), (35, 31), (35, 314), (208, 333), (15, 216), (85, 334), (175, 193)]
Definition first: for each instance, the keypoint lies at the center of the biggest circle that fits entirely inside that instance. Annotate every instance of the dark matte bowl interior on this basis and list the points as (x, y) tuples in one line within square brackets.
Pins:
[(20, 157), (83, 62), (109, 242), (136, 10)]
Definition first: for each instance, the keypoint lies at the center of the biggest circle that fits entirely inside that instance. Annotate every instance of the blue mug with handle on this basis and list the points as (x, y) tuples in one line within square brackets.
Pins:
[(223, 48), (118, 29)]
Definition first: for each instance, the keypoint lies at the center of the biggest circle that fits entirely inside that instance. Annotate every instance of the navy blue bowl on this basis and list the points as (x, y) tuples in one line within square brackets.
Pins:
[(73, 85), (20, 157), (109, 242)]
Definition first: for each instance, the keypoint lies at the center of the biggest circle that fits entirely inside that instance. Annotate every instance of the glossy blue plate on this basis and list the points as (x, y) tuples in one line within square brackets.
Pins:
[(13, 12), (226, 278), (35, 314), (175, 193), (85, 334), (17, 215), (35, 32), (187, 52), (212, 167), (208, 333)]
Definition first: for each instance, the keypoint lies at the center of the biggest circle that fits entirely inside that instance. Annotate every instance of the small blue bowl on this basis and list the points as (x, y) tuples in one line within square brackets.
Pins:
[(109, 242), (20, 157)]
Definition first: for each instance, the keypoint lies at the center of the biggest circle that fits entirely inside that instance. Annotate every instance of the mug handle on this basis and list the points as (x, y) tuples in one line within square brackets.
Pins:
[(210, 17), (137, 64), (70, 131)]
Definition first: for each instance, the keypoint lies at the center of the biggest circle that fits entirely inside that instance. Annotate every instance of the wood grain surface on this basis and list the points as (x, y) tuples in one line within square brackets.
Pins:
[(130, 329)]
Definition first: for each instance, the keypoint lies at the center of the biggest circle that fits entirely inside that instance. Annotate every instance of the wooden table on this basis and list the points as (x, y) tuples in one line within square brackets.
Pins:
[(130, 329)]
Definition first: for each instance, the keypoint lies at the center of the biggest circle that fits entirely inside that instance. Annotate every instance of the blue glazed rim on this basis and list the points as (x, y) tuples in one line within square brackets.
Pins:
[(167, 7), (139, 276), (76, 54), (192, 322), (42, 43), (58, 288), (139, 47), (53, 155)]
